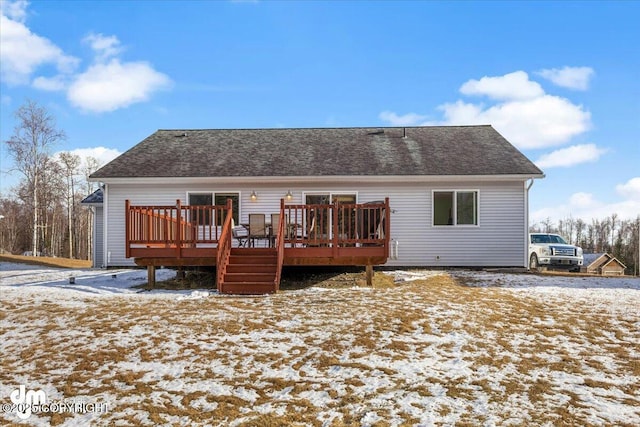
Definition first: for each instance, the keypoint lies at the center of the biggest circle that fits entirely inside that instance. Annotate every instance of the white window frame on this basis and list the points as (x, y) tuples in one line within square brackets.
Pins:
[(454, 208)]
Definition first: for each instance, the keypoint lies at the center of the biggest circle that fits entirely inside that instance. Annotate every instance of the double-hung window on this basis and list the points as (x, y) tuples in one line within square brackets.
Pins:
[(455, 207)]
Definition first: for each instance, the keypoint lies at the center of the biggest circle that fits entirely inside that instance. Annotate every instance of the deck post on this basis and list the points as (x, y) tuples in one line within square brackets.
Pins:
[(127, 228), (334, 229), (387, 225), (151, 276), (179, 229), (369, 275)]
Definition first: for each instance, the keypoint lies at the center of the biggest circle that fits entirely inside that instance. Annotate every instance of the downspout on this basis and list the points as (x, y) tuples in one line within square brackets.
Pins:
[(106, 256), (526, 221)]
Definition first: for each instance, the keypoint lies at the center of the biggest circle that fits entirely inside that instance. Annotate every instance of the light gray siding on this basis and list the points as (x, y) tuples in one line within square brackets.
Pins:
[(98, 237), (498, 240)]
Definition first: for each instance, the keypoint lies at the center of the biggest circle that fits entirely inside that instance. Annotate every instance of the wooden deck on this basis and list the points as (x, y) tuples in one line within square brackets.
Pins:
[(332, 234)]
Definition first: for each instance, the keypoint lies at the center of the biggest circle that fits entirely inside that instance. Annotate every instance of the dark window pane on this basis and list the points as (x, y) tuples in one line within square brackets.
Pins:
[(198, 215), (443, 208), (221, 200), (467, 208)]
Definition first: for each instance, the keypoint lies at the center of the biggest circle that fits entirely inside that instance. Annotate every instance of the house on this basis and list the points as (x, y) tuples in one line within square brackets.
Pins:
[(603, 264), (456, 195)]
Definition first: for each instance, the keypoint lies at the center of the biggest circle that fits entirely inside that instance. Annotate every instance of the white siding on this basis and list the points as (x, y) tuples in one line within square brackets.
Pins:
[(496, 241)]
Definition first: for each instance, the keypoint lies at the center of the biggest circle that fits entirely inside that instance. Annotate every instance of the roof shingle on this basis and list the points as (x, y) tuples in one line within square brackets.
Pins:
[(431, 150)]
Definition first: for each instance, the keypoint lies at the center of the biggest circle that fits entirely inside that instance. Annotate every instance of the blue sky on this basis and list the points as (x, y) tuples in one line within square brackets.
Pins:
[(560, 80)]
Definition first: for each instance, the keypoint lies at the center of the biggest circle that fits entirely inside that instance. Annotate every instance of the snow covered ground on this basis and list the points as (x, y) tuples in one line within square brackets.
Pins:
[(439, 348)]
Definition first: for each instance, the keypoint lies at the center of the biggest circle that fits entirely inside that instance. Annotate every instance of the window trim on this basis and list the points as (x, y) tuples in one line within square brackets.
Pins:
[(455, 207)]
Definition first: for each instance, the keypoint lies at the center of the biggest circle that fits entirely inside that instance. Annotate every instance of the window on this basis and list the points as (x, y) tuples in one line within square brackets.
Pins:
[(221, 199), (321, 220), (202, 216), (455, 208), (467, 208)]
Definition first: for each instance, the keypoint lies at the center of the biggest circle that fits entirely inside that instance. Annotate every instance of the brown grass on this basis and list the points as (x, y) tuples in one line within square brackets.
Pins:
[(47, 261), (326, 333)]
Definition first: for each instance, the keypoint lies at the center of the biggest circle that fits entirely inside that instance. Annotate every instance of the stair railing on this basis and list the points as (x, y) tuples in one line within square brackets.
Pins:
[(157, 225), (224, 246), (280, 238)]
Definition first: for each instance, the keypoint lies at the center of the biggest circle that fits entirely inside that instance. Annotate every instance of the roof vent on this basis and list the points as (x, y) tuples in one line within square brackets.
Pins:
[(377, 132), (182, 135)]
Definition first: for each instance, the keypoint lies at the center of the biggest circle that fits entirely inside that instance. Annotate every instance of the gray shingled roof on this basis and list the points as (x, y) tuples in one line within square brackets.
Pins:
[(96, 197), (433, 150), (588, 259)]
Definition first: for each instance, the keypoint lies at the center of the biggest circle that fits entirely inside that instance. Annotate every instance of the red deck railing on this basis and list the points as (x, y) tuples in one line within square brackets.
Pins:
[(169, 230), (338, 225), (323, 230), (279, 244), (224, 245)]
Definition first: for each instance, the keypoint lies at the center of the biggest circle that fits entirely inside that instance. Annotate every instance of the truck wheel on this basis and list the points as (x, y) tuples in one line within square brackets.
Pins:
[(533, 263)]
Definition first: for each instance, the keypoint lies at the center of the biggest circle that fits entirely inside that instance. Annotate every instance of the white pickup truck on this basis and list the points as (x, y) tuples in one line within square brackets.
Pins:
[(553, 251)]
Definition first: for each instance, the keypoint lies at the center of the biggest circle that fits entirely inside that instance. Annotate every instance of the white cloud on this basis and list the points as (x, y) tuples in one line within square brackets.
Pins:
[(586, 207), (106, 85), (102, 154), (52, 84), (625, 209), (511, 86), (576, 78), (582, 200), (540, 122), (110, 84), (105, 47), (570, 156), (405, 120), (528, 119), (114, 85), (15, 10), (630, 189), (22, 51)]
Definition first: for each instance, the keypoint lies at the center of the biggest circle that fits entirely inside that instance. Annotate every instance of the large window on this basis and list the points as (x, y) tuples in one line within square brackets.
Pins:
[(455, 207), (319, 221), (202, 216)]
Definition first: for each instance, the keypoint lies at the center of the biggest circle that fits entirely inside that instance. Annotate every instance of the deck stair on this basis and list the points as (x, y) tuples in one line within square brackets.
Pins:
[(251, 271)]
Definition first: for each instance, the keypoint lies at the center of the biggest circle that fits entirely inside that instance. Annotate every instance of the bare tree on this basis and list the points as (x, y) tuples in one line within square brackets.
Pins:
[(614, 218), (70, 163), (33, 136), (580, 228), (91, 164), (11, 228)]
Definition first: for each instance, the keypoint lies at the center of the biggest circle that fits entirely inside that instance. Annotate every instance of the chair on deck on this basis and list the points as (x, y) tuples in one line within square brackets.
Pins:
[(275, 226), (240, 233), (257, 228), (312, 236), (372, 224)]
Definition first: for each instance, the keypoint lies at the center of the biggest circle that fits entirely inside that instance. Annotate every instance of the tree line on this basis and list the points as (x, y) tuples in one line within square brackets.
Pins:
[(42, 215), (613, 235)]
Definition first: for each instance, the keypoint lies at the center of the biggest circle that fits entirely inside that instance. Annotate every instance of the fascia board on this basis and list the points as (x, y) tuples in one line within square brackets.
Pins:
[(316, 179)]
